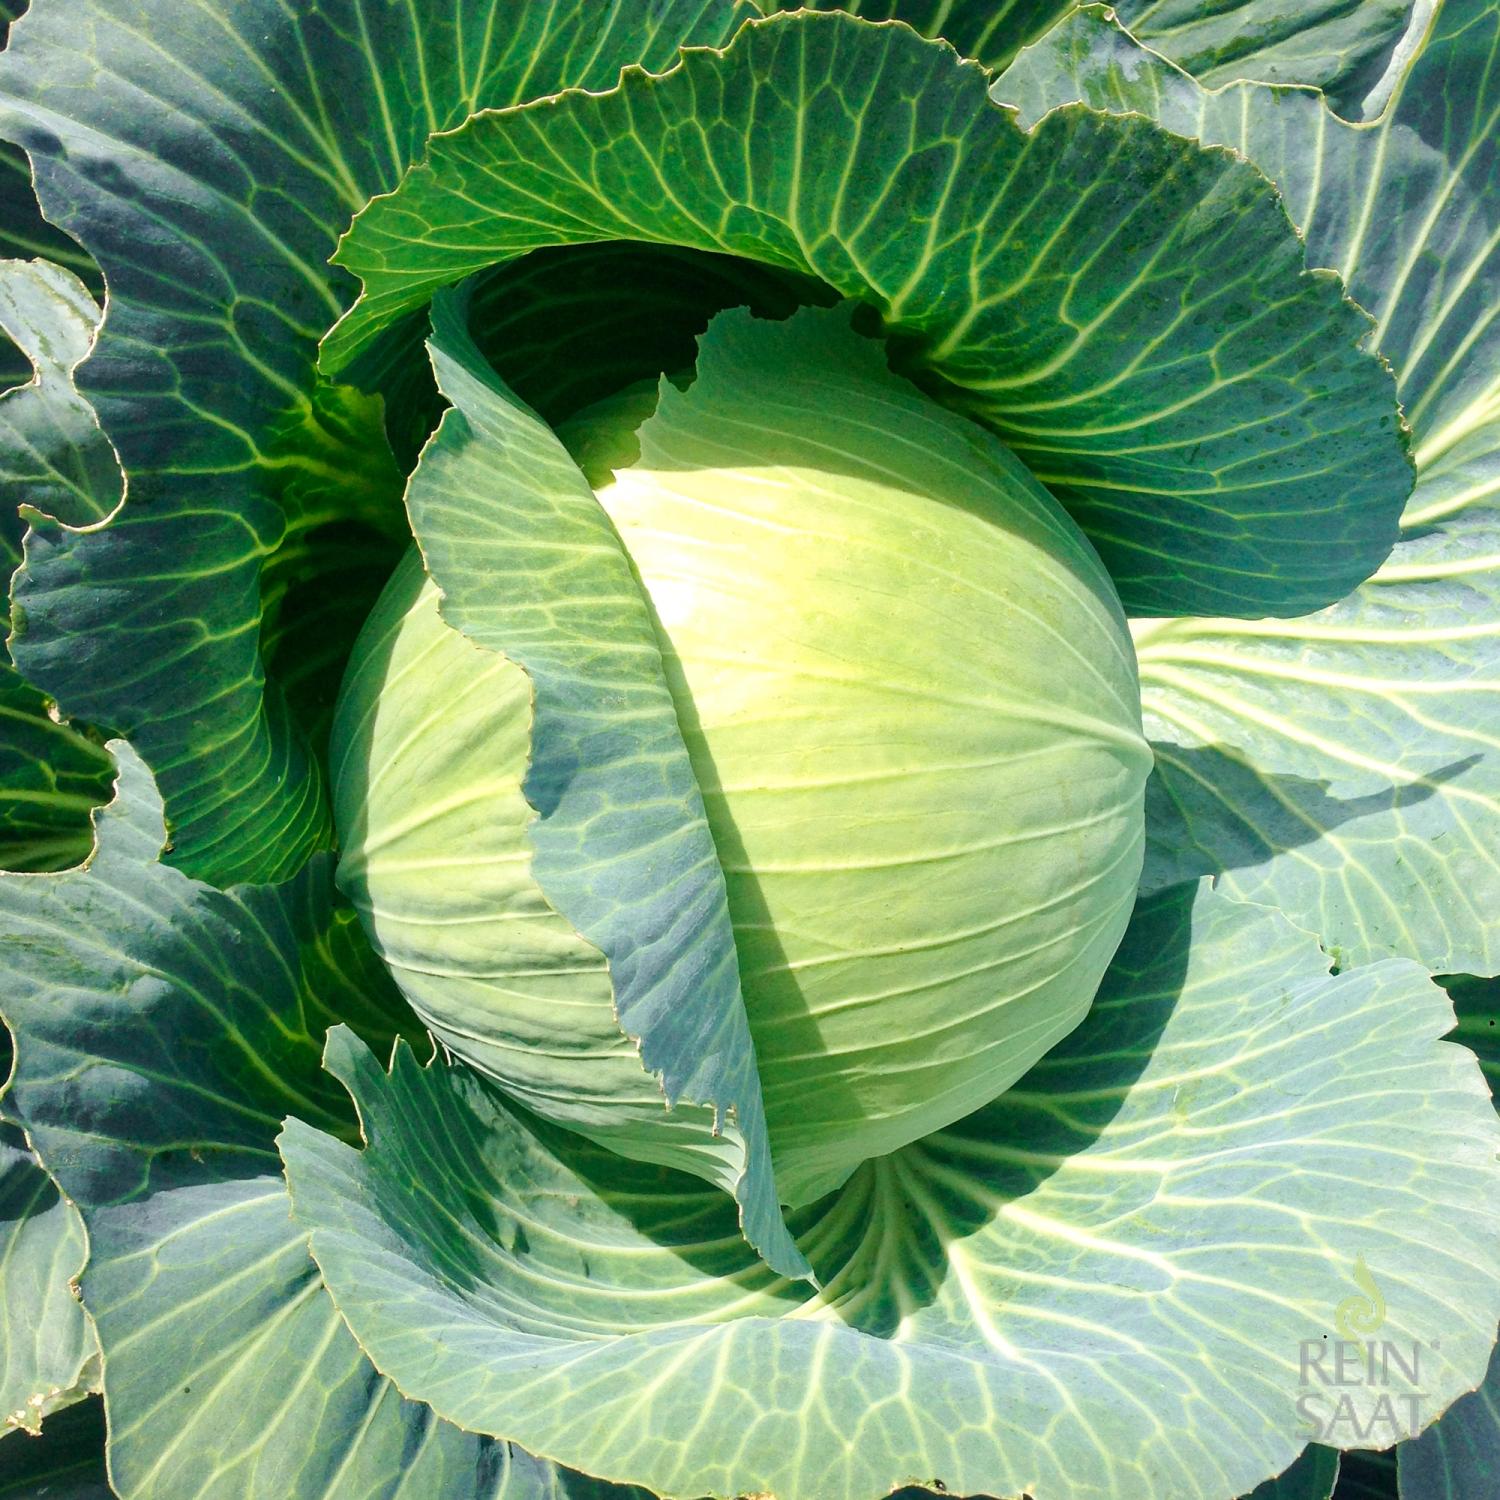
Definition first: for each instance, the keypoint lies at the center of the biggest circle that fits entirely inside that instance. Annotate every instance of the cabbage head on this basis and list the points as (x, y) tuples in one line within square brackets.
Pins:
[(750, 751)]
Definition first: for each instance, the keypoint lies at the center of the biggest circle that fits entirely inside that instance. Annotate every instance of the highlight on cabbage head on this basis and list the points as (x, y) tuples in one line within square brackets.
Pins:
[(750, 751)]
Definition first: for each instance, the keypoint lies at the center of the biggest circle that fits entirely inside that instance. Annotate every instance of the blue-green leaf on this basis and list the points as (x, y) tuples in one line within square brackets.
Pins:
[(1226, 441), (65, 1463), (528, 566), (1312, 1477), (1345, 766), (1100, 1285), (163, 1029), (1353, 52), (1458, 1458), (53, 459), (48, 1356), (212, 214)]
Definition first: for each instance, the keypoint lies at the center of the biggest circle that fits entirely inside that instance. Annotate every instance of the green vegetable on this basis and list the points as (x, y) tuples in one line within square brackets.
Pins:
[(908, 698), (748, 751)]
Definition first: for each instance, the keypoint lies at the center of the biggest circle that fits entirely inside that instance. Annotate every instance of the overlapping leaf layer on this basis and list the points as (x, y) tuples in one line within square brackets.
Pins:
[(1185, 288)]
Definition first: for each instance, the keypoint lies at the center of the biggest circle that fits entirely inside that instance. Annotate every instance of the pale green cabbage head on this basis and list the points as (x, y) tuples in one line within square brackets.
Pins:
[(910, 702)]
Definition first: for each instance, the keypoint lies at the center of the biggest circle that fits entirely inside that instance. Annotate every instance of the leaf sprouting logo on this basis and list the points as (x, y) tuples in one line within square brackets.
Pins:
[(1363, 1312)]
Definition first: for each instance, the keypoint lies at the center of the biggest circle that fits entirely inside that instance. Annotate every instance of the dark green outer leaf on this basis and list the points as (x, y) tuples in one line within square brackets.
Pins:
[(1403, 209), (1312, 1477), (23, 230), (989, 31), (1344, 47), (163, 1028), (1367, 1476), (212, 213), (1477, 1002), (51, 776), (52, 457), (1345, 766), (1223, 440), (1458, 1458), (65, 1463)]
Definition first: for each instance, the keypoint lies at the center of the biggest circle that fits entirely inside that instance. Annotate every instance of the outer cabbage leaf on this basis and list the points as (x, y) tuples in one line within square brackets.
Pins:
[(65, 1463), (1368, 1476), (1402, 208), (1353, 51), (1096, 1286), (1345, 766), (529, 566), (163, 1028), (23, 230), (48, 1355), (54, 459), (51, 775), (1224, 440), (1477, 1002), (212, 214), (989, 31), (1312, 1477), (1459, 1456)]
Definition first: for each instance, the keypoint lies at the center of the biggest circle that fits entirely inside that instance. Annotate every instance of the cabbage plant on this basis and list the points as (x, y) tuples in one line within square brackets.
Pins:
[(750, 751)]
